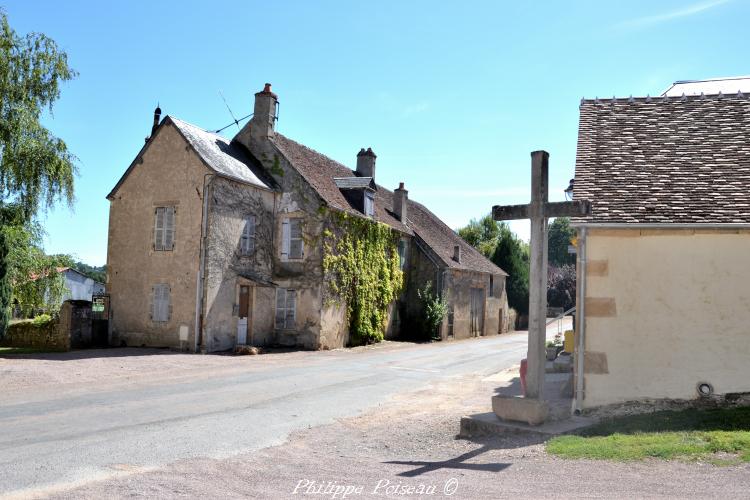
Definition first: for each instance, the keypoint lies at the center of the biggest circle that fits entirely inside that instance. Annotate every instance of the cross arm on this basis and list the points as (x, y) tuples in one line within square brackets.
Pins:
[(567, 208), (510, 212)]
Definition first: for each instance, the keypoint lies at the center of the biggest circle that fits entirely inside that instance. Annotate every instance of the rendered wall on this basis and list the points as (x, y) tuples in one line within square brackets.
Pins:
[(665, 310), (170, 174)]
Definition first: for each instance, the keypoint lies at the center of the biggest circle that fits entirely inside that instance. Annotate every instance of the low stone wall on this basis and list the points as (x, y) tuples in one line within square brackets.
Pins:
[(71, 329), (47, 336)]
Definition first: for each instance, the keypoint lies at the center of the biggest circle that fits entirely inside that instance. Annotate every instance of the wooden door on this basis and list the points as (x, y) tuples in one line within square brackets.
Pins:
[(476, 315)]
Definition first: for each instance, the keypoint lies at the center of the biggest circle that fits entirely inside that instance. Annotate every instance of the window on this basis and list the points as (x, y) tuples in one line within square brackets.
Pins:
[(286, 308), (402, 254), (292, 246), (247, 240), (164, 228), (450, 321), (369, 204), (161, 304), (492, 286)]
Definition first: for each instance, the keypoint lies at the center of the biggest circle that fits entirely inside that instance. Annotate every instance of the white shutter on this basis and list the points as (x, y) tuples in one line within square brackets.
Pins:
[(169, 228), (159, 229), (280, 307), (285, 239), (295, 239), (291, 309)]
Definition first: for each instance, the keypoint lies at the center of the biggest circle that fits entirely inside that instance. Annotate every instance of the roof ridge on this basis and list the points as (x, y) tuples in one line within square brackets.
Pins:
[(664, 98)]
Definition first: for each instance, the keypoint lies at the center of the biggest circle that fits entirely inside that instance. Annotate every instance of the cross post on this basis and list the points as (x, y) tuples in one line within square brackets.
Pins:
[(538, 211)]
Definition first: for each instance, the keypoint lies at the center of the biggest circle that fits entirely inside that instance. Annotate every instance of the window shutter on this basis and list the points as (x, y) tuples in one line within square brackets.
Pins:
[(168, 228), (295, 239), (152, 311), (291, 309), (159, 229), (280, 307), (285, 238), (168, 302), (251, 234)]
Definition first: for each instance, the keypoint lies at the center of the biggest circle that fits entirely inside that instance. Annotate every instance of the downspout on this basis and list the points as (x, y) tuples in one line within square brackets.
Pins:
[(199, 288), (581, 321)]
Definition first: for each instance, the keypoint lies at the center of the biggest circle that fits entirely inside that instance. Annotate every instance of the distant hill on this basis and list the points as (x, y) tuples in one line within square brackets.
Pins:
[(97, 273)]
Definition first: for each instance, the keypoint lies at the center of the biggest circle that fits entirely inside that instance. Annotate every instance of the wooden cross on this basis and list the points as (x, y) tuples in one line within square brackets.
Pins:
[(539, 210)]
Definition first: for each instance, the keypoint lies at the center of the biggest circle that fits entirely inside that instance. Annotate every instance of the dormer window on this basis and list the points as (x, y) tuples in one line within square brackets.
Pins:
[(369, 204)]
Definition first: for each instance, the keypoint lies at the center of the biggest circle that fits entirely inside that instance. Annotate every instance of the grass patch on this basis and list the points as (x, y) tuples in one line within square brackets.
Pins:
[(720, 436), (19, 350)]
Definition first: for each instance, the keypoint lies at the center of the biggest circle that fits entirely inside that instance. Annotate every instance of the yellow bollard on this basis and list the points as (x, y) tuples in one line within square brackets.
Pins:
[(568, 343)]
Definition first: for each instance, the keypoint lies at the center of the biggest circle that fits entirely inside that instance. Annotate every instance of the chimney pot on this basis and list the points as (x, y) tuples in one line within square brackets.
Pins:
[(457, 253)]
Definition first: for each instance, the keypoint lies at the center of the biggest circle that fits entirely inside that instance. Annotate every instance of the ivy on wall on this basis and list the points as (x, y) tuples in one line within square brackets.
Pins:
[(361, 265)]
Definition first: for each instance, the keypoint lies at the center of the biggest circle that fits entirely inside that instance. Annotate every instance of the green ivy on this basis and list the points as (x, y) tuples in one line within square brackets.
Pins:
[(361, 265)]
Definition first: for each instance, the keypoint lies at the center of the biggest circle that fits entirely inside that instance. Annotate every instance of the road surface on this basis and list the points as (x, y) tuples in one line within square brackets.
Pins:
[(64, 434)]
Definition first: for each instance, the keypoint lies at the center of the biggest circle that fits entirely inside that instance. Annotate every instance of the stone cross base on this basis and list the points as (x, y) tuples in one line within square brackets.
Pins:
[(520, 409)]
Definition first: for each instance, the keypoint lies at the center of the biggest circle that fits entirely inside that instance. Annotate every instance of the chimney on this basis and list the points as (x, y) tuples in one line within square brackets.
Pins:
[(366, 163), (157, 118), (264, 114), (457, 253), (400, 202)]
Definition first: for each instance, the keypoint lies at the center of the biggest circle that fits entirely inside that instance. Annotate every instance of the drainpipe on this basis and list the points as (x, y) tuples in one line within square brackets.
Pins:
[(199, 292), (581, 321)]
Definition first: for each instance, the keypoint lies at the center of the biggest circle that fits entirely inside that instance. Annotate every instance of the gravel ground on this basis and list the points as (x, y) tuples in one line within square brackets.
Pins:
[(408, 446)]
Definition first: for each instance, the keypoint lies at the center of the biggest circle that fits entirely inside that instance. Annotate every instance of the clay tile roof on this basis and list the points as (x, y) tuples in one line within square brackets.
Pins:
[(665, 159), (325, 175)]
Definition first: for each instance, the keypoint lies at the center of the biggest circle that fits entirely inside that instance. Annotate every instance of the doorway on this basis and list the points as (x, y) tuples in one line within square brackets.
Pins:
[(243, 323), (476, 315)]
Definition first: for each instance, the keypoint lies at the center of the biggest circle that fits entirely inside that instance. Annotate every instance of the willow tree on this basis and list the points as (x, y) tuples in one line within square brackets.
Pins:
[(36, 168)]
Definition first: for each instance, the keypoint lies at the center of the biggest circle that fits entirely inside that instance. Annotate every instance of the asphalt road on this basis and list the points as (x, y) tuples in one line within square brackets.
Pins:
[(60, 437)]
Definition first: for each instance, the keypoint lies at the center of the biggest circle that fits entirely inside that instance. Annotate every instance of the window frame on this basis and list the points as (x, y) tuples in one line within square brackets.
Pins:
[(164, 235), (287, 240)]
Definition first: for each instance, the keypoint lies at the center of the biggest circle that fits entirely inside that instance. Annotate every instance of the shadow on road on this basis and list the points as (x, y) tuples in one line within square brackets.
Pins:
[(118, 352)]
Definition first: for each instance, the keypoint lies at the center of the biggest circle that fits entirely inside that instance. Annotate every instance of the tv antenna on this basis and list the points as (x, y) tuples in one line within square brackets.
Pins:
[(235, 121)]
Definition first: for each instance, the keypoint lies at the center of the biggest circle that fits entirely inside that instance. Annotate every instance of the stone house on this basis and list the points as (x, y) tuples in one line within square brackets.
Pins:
[(215, 243), (664, 258)]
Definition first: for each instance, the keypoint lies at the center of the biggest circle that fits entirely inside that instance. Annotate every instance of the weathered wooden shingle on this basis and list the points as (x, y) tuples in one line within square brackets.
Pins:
[(665, 160)]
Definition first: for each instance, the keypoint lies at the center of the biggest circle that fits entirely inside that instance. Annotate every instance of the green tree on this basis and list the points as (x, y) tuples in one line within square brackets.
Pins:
[(482, 234), (434, 311), (97, 273), (5, 292), (512, 256), (559, 237), (36, 168)]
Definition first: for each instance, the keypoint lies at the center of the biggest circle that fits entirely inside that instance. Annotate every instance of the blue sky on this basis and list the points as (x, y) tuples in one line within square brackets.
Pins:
[(452, 96)]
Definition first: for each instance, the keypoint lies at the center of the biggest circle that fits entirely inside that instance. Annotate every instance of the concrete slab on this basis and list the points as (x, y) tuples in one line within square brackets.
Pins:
[(488, 424)]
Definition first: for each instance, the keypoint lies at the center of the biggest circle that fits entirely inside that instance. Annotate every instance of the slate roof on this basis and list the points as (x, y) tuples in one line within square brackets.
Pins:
[(323, 173), (222, 156), (218, 154), (665, 160)]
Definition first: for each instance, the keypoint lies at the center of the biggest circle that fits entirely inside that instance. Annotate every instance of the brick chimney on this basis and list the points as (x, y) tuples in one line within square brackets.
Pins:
[(457, 253), (366, 163), (400, 202), (264, 114)]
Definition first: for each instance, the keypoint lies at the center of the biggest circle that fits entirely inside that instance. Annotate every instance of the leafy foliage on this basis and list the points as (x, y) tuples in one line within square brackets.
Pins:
[(33, 274), (512, 256), (5, 291), (97, 273), (559, 237), (361, 265), (561, 286), (35, 166), (434, 311), (482, 234)]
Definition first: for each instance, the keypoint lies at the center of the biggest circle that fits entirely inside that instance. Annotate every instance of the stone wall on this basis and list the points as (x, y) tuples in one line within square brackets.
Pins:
[(71, 329)]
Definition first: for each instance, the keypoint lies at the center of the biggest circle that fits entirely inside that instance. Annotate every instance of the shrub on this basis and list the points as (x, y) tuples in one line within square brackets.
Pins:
[(434, 311)]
